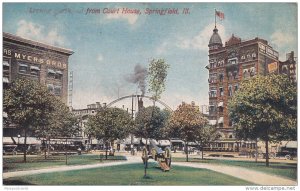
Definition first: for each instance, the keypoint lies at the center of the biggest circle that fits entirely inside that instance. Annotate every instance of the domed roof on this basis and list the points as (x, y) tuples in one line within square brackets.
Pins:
[(215, 38)]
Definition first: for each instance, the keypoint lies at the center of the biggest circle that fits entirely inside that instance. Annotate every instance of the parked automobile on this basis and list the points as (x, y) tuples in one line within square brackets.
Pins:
[(9, 149), (289, 154)]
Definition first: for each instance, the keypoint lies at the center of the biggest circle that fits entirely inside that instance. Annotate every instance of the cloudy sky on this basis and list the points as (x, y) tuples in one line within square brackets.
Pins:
[(108, 46)]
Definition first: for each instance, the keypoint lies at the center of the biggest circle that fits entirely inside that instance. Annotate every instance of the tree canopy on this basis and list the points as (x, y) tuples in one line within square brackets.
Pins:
[(109, 124), (150, 123), (34, 109), (265, 107), (157, 75), (185, 121), (26, 102)]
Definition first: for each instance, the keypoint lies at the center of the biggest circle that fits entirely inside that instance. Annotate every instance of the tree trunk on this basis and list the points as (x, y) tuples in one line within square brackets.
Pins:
[(202, 150), (45, 150), (187, 152), (48, 147), (25, 143), (106, 146), (256, 151), (267, 152), (66, 152)]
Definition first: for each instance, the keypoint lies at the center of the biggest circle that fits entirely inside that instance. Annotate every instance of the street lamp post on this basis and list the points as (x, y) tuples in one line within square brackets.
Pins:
[(18, 146), (19, 139)]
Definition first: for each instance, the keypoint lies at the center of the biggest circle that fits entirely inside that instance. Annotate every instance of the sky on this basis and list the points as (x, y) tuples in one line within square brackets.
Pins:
[(108, 46)]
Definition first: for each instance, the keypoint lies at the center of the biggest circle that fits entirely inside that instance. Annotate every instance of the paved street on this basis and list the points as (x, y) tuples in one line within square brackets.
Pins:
[(256, 177)]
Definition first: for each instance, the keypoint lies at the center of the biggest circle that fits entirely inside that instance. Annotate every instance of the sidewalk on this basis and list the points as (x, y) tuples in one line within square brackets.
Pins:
[(130, 160), (256, 177)]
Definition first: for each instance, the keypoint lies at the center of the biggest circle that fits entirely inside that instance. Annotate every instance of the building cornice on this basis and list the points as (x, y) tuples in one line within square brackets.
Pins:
[(36, 43)]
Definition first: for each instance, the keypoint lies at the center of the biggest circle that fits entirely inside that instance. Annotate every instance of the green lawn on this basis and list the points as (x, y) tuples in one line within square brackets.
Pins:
[(38, 162), (131, 174), (281, 169)]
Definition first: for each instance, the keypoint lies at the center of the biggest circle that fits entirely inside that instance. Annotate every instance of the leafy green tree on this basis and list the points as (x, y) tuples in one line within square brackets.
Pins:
[(109, 124), (204, 135), (150, 123), (60, 123), (26, 102), (265, 107), (184, 122), (157, 75)]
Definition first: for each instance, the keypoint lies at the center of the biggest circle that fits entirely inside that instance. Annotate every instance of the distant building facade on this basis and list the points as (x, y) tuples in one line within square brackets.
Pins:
[(228, 65)]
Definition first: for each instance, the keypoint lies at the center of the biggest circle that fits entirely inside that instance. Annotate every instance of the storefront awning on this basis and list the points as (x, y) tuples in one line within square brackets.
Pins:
[(29, 140), (7, 141), (289, 144), (221, 120), (212, 122), (164, 143), (5, 63), (177, 141), (5, 80), (34, 68), (220, 104)]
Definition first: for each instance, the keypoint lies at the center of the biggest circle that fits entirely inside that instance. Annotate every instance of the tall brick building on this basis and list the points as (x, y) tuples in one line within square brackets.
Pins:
[(229, 64), (37, 61)]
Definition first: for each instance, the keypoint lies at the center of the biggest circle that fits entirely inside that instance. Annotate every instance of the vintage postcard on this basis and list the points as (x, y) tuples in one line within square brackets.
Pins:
[(152, 94)]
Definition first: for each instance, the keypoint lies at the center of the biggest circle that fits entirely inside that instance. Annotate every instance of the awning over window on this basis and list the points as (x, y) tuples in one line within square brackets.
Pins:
[(51, 71), (212, 122), (23, 65), (5, 80), (220, 104), (59, 72), (5, 63), (221, 120), (34, 68), (57, 87)]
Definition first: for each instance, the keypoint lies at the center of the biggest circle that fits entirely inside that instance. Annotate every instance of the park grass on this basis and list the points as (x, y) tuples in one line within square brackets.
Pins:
[(287, 170), (130, 174), (38, 162)]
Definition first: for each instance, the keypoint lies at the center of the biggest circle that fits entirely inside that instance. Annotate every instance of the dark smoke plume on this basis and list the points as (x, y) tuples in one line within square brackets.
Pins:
[(139, 77)]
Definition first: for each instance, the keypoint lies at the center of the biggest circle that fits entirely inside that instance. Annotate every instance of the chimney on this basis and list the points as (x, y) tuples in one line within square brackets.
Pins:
[(140, 103)]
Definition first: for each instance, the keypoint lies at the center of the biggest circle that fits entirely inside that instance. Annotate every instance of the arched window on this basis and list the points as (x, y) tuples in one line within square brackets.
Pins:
[(284, 69)]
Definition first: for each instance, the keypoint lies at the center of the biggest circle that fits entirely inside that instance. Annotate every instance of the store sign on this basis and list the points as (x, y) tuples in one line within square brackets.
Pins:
[(272, 53), (33, 59), (272, 67)]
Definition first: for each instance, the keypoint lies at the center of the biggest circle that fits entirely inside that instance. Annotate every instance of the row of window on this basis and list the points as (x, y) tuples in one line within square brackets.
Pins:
[(214, 78), (6, 71), (54, 74), (34, 70), (28, 69), (220, 63), (56, 90), (214, 92), (248, 56), (249, 72)]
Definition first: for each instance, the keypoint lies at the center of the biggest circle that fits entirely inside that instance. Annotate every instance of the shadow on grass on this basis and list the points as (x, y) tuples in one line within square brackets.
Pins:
[(15, 182), (117, 159)]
